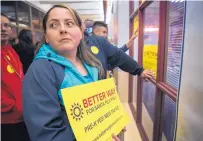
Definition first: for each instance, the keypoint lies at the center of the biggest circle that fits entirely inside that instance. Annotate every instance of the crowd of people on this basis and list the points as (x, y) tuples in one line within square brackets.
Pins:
[(33, 75)]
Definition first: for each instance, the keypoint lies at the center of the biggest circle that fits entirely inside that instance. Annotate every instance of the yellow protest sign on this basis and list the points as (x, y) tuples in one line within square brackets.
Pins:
[(94, 110), (150, 57)]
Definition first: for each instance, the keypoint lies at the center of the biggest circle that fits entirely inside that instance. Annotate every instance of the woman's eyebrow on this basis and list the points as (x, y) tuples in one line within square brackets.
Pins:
[(53, 20)]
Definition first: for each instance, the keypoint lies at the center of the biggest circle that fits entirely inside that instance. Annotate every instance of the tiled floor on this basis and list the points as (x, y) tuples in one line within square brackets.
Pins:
[(132, 133)]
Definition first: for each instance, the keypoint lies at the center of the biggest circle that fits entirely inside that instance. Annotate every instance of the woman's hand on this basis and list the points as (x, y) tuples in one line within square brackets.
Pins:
[(115, 138)]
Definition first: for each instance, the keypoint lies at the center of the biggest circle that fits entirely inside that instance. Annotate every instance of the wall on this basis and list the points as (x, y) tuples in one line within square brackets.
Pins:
[(136, 5), (119, 31), (190, 113), (135, 57), (113, 24)]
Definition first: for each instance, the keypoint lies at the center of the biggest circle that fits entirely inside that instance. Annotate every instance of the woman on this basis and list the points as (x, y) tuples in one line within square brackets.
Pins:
[(25, 48), (62, 61)]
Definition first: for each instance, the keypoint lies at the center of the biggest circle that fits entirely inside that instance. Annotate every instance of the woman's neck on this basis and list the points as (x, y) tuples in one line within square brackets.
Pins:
[(71, 56), (73, 60)]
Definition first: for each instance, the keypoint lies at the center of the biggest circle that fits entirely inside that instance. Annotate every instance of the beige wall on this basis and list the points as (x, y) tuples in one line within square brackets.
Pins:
[(122, 82), (134, 91)]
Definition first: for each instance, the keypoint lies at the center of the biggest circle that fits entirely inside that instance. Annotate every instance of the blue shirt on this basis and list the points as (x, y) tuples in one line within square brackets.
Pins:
[(111, 56)]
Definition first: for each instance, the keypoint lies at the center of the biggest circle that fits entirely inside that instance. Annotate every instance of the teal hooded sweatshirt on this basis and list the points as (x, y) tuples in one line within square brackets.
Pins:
[(72, 76), (43, 109)]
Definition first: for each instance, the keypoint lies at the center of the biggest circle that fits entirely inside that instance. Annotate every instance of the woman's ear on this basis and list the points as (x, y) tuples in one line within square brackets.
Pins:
[(46, 39)]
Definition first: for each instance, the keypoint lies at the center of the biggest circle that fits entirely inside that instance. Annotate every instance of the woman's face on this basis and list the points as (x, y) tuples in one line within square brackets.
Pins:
[(62, 33)]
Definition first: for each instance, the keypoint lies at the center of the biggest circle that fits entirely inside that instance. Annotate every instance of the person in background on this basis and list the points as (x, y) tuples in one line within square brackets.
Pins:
[(112, 57), (101, 29), (88, 23), (64, 54), (12, 125), (25, 48)]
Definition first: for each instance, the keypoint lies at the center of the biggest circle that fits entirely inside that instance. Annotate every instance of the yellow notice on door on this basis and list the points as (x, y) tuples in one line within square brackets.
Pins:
[(94, 110), (150, 57), (136, 24)]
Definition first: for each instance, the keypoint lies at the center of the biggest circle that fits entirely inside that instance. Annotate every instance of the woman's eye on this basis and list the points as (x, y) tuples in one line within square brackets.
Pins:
[(53, 25), (69, 23)]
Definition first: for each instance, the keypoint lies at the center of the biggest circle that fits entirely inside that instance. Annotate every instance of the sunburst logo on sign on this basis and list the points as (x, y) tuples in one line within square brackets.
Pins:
[(77, 111)]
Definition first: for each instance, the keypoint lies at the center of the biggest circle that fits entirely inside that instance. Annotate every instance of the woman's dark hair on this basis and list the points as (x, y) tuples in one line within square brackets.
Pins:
[(25, 38), (25, 48), (83, 51), (37, 43)]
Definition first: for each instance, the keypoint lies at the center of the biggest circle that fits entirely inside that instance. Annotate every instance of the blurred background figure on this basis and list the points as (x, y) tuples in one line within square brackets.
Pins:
[(25, 48), (12, 125), (88, 26)]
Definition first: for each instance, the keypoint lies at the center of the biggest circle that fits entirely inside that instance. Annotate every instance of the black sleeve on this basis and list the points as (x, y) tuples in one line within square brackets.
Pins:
[(124, 48), (117, 58), (41, 107)]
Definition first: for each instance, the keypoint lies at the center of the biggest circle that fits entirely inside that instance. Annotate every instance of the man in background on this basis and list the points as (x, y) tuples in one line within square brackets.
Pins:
[(101, 29), (12, 125), (111, 57)]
